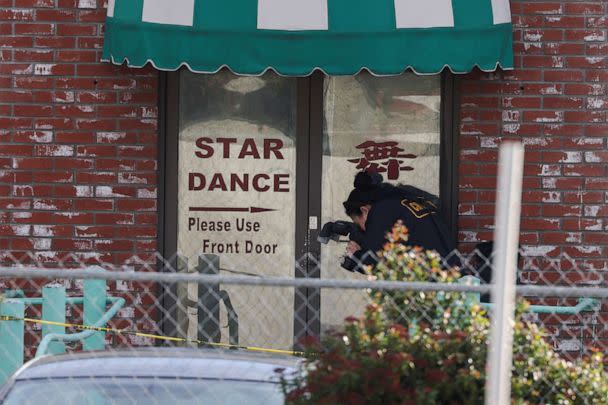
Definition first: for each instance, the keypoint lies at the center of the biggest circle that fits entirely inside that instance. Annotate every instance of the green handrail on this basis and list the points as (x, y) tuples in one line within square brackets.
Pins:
[(53, 301), (117, 304), (584, 304)]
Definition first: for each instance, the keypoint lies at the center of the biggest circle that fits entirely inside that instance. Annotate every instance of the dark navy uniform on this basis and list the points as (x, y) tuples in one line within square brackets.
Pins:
[(420, 216)]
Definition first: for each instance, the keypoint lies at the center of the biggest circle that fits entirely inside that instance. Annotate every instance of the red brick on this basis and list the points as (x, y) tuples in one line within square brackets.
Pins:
[(76, 29), (585, 35), (72, 218), (146, 219), (76, 56), (585, 251), (74, 110), (74, 163), (55, 176), (594, 238), (564, 22), (90, 43), (583, 143), (74, 137), (96, 124), (585, 170), (543, 116), (54, 150), (562, 210), (531, 224), (52, 204), (564, 76), (596, 184), (570, 103), (115, 191), (55, 42), (32, 163), (74, 191), (54, 15), (15, 14), (546, 8), (72, 244), (583, 197), (137, 151), (91, 204), (125, 111), (96, 231), (589, 62), (588, 8), (114, 244), (53, 123), (596, 130), (33, 110), (33, 82), (598, 49), (15, 204), (34, 29), (114, 219), (585, 116), (597, 22), (16, 150), (96, 177), (585, 89), (561, 238), (531, 210)]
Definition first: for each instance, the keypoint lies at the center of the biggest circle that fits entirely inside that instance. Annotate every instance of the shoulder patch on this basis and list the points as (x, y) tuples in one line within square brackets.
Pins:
[(418, 208)]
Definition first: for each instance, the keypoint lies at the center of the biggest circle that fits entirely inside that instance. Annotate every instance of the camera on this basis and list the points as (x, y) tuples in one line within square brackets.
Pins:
[(333, 231)]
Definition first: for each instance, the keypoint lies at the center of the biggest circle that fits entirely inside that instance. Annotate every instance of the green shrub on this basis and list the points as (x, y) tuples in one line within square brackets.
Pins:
[(431, 348)]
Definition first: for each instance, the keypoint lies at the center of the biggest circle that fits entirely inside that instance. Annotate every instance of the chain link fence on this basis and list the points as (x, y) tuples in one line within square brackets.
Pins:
[(134, 311)]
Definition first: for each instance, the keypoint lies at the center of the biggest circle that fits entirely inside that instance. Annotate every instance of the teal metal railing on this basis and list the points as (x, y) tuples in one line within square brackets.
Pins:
[(584, 304), (53, 318)]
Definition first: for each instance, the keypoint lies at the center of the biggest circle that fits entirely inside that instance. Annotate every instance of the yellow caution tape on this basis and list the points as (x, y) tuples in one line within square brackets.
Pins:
[(150, 335)]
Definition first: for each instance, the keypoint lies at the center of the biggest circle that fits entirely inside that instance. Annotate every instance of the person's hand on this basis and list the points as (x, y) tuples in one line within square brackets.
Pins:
[(352, 247)]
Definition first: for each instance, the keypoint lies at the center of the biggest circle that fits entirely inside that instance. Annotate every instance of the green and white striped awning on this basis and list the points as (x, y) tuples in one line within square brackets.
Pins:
[(295, 37)]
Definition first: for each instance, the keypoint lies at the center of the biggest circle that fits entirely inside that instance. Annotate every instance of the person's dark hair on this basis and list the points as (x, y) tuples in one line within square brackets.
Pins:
[(370, 188), (366, 187)]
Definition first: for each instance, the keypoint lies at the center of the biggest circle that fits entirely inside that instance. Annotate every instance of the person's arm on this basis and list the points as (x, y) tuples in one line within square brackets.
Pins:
[(380, 221)]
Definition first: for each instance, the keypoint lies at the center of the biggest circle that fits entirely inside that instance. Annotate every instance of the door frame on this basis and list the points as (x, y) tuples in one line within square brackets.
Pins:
[(309, 149)]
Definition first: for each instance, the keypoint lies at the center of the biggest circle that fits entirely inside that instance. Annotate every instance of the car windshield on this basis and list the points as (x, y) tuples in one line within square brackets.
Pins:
[(102, 391)]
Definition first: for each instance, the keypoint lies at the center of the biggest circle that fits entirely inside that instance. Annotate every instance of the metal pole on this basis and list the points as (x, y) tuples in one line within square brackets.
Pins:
[(94, 307), (506, 237), (53, 309), (11, 337), (182, 300)]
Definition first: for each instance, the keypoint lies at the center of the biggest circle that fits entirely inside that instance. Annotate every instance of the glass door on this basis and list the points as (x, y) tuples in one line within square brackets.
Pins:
[(390, 125), (254, 166), (237, 199)]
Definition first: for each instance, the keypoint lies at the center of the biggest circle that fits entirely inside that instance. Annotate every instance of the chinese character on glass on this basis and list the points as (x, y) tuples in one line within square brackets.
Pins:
[(383, 157)]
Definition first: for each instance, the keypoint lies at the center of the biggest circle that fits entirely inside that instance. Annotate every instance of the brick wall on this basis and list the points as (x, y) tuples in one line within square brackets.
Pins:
[(556, 102), (77, 137)]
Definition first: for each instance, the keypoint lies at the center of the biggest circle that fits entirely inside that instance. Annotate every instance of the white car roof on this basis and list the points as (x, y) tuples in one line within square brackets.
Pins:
[(161, 363)]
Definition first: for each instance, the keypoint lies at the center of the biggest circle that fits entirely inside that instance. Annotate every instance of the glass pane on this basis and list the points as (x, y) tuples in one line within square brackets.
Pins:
[(237, 162), (390, 124)]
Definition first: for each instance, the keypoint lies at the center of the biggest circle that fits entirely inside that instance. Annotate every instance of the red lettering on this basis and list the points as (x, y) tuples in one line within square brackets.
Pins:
[(217, 181), (243, 183), (274, 146), (207, 151), (280, 180), (192, 177), (256, 182), (226, 142), (249, 149)]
